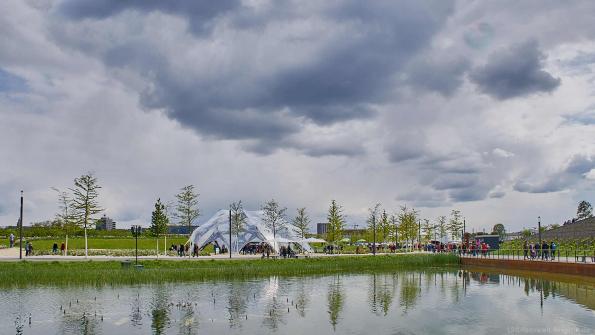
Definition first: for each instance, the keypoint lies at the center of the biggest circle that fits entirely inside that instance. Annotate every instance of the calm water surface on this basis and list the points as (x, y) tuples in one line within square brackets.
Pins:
[(450, 301)]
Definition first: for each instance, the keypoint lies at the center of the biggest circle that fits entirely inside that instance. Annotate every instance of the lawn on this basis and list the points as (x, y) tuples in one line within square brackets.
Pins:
[(144, 243), (110, 273)]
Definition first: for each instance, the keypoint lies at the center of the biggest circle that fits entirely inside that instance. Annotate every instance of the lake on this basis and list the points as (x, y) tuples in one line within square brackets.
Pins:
[(407, 302)]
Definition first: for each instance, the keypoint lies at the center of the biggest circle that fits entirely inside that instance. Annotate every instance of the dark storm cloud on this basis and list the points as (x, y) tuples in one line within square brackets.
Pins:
[(514, 72), (355, 68), (447, 182), (573, 173), (199, 13), (497, 194), (443, 75)]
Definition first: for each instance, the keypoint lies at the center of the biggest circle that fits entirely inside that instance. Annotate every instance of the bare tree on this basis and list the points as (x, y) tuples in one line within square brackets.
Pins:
[(84, 202), (65, 216), (274, 218), (187, 208), (238, 220), (301, 222)]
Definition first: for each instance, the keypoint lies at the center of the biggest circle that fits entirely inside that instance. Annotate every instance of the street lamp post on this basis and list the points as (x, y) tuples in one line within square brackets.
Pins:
[(374, 231), (230, 233), (21, 229), (539, 231), (135, 232)]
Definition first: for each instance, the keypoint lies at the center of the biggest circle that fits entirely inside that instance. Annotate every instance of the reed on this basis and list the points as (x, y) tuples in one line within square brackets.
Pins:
[(100, 273)]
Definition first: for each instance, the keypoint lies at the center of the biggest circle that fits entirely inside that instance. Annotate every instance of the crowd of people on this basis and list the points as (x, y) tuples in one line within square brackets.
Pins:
[(545, 250)]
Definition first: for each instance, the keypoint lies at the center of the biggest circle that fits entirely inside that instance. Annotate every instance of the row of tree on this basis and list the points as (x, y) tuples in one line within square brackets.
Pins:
[(407, 225), (79, 204)]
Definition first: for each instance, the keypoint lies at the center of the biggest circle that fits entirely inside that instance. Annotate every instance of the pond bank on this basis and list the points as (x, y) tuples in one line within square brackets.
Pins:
[(111, 272)]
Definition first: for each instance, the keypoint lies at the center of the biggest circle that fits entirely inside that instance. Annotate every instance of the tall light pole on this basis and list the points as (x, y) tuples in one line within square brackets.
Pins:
[(539, 230), (135, 229), (21, 229), (230, 232)]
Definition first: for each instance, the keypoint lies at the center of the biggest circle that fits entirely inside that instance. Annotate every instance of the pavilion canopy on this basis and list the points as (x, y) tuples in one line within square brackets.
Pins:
[(255, 230)]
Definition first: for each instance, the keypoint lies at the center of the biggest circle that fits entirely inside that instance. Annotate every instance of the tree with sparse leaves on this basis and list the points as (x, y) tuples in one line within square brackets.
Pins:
[(408, 224), (84, 202), (373, 222), (159, 222), (455, 224), (336, 223), (427, 229), (301, 222), (384, 226), (187, 210), (441, 227), (274, 218), (584, 210), (65, 217), (238, 220)]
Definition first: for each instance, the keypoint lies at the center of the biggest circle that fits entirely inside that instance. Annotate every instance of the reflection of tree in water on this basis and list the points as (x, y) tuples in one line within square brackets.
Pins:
[(160, 310), (274, 313), (188, 324), (336, 300), (80, 317), (136, 316), (238, 303), (302, 298), (410, 290), (381, 292), (455, 289)]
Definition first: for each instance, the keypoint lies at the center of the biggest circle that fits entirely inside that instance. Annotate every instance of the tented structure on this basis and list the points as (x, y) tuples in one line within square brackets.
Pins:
[(255, 230)]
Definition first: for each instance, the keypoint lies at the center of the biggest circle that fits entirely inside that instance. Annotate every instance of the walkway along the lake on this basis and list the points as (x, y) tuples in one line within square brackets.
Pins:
[(581, 269)]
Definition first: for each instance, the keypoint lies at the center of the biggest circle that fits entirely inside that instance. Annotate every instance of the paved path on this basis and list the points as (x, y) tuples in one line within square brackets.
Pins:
[(12, 254)]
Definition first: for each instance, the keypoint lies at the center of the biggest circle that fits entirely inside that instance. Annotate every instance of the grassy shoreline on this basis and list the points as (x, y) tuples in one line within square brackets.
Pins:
[(20, 274)]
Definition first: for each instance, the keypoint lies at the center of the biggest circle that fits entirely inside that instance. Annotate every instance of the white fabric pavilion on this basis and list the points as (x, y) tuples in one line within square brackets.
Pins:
[(217, 230)]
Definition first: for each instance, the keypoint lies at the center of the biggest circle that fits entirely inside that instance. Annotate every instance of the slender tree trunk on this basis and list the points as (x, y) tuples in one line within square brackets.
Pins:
[(165, 246), (66, 246), (86, 249)]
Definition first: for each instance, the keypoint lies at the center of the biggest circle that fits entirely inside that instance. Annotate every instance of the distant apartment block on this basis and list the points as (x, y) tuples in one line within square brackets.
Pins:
[(321, 228), (105, 223)]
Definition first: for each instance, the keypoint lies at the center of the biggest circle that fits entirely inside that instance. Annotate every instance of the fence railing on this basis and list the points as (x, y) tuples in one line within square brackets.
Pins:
[(568, 256)]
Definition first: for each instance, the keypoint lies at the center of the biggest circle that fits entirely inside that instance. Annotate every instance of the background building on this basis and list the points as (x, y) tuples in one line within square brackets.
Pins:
[(105, 223), (321, 228)]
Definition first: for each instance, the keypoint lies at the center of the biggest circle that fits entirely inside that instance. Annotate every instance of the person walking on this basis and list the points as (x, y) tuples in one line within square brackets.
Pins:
[(11, 240), (553, 250), (545, 247)]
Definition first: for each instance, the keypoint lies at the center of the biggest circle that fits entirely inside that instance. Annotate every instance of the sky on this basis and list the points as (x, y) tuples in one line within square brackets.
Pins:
[(482, 106)]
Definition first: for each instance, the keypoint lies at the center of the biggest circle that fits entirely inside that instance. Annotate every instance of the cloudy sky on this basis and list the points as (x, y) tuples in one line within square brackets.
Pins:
[(487, 107)]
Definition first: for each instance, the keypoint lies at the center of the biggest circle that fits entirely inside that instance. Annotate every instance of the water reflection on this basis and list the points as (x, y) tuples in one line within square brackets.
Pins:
[(336, 299), (394, 302), (381, 292), (160, 306), (410, 290), (237, 303)]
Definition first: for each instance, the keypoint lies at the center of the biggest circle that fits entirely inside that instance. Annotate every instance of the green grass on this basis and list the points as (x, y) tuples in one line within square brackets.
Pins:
[(111, 273), (144, 243)]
